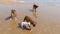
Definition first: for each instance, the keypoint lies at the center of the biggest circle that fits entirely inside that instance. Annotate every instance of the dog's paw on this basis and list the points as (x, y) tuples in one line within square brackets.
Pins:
[(31, 30)]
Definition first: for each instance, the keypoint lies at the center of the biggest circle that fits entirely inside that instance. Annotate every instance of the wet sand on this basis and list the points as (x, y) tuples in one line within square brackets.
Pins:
[(48, 19)]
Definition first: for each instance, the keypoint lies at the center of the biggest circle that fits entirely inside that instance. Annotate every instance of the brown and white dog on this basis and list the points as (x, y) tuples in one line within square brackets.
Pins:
[(29, 19), (27, 22), (13, 14)]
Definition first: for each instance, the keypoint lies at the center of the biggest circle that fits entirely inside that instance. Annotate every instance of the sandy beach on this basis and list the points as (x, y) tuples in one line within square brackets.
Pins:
[(48, 19)]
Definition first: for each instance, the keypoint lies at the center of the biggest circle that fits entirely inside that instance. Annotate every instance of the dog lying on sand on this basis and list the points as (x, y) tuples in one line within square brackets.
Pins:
[(29, 19), (27, 22)]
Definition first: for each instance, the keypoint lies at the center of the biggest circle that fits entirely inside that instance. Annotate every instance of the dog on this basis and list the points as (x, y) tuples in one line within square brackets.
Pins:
[(34, 9), (35, 6), (29, 19), (27, 22), (14, 14)]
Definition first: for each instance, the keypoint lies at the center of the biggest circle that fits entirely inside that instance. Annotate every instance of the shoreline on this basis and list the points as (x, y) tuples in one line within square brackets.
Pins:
[(16, 3)]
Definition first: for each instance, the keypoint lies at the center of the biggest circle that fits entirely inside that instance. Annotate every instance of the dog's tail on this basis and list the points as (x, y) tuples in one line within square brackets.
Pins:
[(10, 17)]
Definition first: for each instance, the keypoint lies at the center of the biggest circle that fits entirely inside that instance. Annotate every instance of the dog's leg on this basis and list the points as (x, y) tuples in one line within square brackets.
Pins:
[(34, 12), (15, 19), (10, 19)]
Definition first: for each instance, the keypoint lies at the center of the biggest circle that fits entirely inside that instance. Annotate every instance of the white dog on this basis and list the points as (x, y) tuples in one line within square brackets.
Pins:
[(25, 25)]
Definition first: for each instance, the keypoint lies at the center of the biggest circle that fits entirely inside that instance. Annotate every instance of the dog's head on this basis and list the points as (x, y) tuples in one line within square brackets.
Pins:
[(14, 12), (33, 23)]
